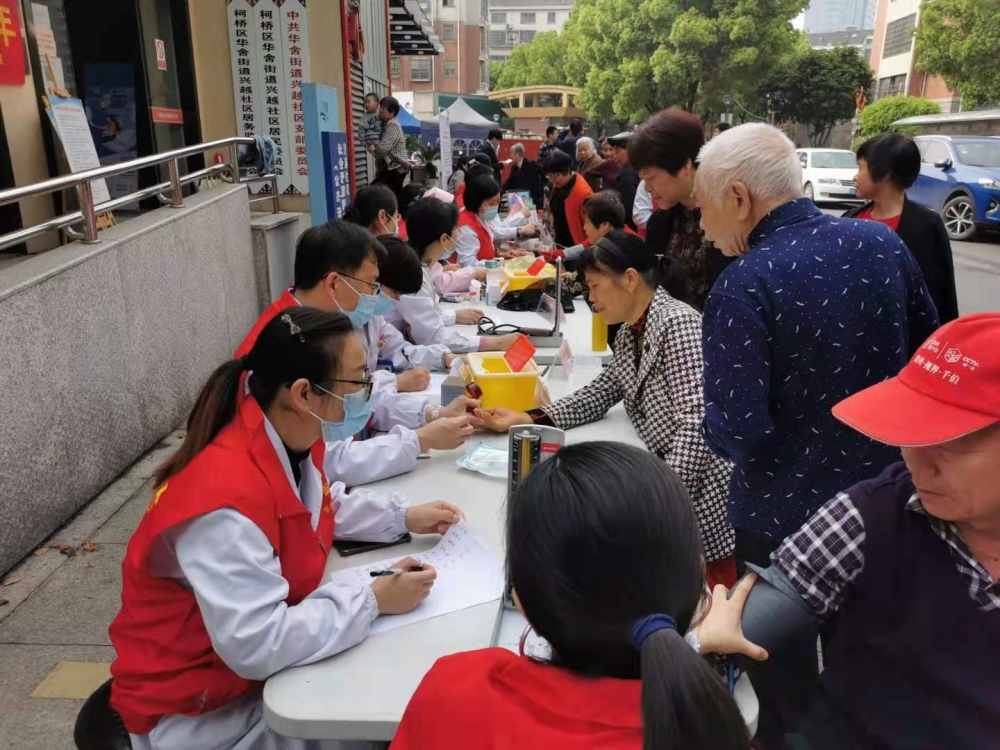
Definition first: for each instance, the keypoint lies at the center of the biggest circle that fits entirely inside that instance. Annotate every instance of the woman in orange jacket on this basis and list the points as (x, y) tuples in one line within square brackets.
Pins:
[(569, 191)]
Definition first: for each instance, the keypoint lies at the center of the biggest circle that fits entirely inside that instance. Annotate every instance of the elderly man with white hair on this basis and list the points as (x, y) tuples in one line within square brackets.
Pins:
[(588, 158), (525, 176), (814, 309)]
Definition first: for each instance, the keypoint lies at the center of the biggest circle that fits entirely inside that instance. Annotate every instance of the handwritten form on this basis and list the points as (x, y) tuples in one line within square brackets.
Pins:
[(468, 574)]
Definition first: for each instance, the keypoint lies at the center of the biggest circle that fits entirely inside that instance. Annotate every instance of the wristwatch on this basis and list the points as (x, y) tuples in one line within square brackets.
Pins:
[(435, 413)]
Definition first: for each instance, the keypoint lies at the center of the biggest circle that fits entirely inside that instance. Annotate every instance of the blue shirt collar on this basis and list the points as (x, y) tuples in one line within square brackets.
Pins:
[(785, 214)]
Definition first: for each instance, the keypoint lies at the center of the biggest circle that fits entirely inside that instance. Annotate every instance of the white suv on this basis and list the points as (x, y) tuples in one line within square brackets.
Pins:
[(828, 175)]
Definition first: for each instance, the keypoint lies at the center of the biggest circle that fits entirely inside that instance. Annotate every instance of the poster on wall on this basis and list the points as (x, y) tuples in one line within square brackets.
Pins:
[(12, 68), (328, 151), (268, 42), (48, 18), (109, 101)]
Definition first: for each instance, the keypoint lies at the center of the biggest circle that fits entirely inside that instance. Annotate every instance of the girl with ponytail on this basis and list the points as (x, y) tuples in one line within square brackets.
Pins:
[(221, 581), (606, 565), (656, 372)]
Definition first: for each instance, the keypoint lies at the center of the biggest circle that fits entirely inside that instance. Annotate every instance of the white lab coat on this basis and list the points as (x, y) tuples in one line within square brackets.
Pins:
[(231, 567), (393, 347), (500, 231), (428, 322)]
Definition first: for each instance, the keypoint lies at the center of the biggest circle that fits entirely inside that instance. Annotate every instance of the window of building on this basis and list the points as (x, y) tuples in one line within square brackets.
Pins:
[(498, 38), (396, 65), (527, 36), (448, 32), (447, 3), (936, 151), (449, 68), (484, 75), (552, 17), (420, 69), (898, 36), (891, 86), (496, 17), (527, 18)]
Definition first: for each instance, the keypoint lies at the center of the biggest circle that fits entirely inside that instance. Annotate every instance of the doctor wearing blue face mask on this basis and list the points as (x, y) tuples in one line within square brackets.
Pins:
[(224, 574), (337, 270), (480, 228)]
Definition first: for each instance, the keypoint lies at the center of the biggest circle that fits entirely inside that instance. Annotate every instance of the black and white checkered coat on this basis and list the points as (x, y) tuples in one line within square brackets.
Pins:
[(663, 399)]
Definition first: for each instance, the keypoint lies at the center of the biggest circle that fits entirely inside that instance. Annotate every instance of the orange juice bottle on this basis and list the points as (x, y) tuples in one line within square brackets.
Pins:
[(599, 332)]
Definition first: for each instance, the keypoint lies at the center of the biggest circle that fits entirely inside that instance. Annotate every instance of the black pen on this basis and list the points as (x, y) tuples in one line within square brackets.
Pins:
[(380, 573)]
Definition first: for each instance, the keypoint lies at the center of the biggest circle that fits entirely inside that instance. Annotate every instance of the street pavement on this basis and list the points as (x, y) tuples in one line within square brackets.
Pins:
[(55, 607)]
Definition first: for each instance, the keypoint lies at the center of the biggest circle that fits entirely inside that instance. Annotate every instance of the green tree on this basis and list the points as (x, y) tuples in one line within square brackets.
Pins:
[(878, 117), (542, 62), (960, 41), (632, 57), (496, 68), (818, 88)]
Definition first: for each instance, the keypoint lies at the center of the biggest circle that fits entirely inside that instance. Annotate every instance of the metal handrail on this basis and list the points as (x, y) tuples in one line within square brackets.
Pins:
[(88, 212)]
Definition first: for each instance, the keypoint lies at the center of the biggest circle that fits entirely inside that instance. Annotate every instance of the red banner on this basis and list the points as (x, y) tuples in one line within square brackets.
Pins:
[(11, 45)]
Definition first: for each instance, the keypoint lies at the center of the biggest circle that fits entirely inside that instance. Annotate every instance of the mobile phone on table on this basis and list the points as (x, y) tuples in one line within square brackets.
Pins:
[(346, 549)]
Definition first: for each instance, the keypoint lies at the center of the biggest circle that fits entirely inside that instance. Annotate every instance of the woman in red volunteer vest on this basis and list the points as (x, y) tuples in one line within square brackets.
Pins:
[(605, 561), (221, 581), (480, 227)]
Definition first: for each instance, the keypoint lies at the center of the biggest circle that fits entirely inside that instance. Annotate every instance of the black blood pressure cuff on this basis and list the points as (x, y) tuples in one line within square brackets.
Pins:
[(775, 614)]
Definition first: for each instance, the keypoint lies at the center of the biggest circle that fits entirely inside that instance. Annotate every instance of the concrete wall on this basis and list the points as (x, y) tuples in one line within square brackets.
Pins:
[(106, 347), (274, 238)]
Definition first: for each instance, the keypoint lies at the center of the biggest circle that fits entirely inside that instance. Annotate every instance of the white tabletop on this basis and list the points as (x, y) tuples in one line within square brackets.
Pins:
[(576, 327), (362, 693)]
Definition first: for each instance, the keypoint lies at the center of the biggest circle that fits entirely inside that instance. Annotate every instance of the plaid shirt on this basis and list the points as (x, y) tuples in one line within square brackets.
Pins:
[(824, 557)]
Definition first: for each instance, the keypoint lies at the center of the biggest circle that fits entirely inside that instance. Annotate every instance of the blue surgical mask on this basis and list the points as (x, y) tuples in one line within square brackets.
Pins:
[(384, 304), (490, 214), (357, 410), (365, 309)]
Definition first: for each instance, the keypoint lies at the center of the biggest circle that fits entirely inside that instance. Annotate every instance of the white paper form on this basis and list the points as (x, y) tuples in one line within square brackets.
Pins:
[(434, 389), (468, 574)]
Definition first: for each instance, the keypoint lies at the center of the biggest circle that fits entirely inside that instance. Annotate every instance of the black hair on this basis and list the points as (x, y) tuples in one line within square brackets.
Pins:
[(371, 95), (605, 208), (391, 105), (368, 201), (408, 195), (399, 266), (300, 342), (430, 218), (558, 162), (480, 158), (477, 169), (576, 127), (722, 127), (335, 246), (619, 251), (599, 537), (460, 161), (495, 134), (550, 130), (670, 139), (480, 189), (891, 156)]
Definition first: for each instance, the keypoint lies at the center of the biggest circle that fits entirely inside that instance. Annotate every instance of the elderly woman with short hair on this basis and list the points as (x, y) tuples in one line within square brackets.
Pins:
[(587, 158)]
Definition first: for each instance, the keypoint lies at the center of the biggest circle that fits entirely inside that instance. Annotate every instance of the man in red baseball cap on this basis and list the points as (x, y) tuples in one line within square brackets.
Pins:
[(905, 568)]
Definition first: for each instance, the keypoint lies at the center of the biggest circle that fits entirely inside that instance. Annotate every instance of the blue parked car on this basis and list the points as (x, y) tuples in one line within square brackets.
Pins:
[(960, 179)]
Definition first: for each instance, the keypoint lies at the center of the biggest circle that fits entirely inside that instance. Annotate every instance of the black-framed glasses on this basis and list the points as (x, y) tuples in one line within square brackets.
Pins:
[(368, 383), (375, 285)]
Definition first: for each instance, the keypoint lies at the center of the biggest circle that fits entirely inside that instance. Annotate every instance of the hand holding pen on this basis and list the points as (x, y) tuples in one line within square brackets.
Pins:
[(403, 586)]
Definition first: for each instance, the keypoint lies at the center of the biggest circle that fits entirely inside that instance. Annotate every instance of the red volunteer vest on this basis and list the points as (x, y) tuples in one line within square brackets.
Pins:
[(460, 195), (494, 700), (285, 301), (487, 250), (166, 664)]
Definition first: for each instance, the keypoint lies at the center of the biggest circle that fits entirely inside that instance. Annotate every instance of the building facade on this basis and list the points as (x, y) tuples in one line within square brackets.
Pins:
[(894, 57), (515, 22), (823, 16), (462, 26), (860, 39)]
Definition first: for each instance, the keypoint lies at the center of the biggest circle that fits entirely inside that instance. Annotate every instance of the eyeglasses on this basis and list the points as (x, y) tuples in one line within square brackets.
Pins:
[(375, 285), (368, 383)]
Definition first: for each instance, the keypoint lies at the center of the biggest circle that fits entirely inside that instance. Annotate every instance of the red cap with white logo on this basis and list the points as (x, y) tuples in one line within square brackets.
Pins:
[(950, 388)]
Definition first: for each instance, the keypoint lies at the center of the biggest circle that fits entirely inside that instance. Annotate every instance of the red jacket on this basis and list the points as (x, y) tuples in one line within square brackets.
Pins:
[(487, 250), (166, 663), (285, 301), (460, 195), (495, 700)]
